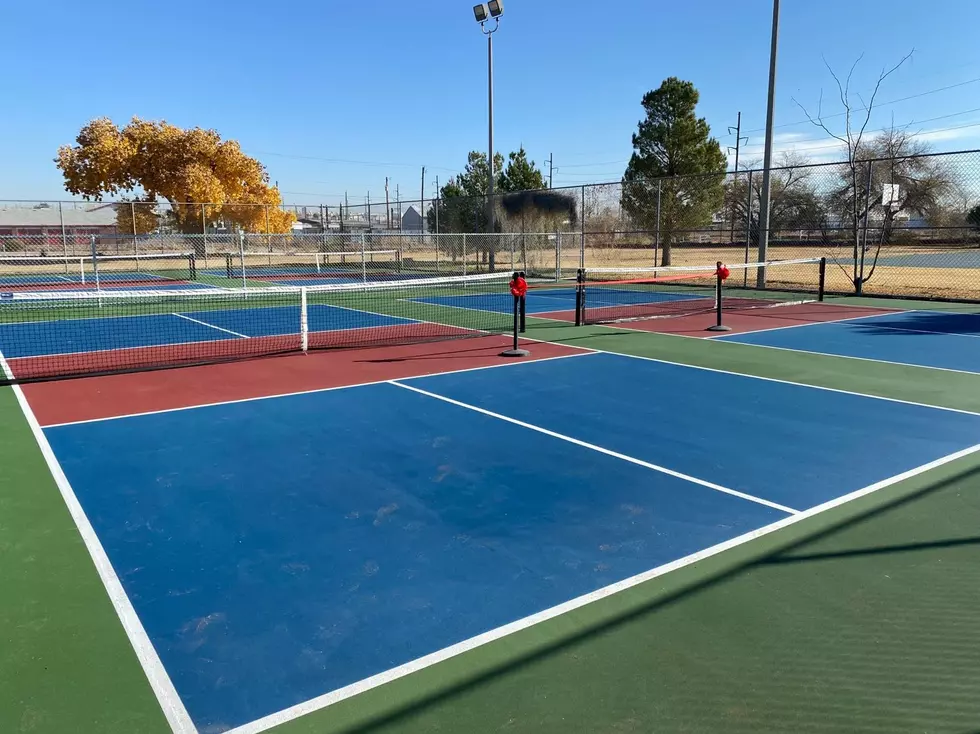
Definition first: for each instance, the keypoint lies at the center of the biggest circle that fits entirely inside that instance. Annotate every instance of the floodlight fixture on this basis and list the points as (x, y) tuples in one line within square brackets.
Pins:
[(496, 8), (482, 12)]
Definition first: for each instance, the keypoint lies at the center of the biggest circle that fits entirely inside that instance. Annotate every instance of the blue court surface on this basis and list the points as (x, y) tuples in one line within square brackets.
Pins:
[(279, 549), (924, 338), (156, 285), (68, 336), (549, 300), (112, 276)]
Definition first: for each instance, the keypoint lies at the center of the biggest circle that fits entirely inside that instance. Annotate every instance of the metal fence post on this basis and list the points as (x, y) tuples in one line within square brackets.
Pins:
[(864, 237), (268, 234), (464, 253), (748, 227), (581, 255), (136, 247), (557, 256), (656, 234), (64, 234), (363, 260), (204, 232)]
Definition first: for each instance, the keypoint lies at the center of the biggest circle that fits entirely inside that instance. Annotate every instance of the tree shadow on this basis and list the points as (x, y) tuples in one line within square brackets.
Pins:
[(782, 554), (925, 323)]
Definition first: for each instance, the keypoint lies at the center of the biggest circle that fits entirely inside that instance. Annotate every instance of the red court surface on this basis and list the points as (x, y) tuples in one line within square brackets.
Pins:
[(90, 398), (742, 322), (190, 353)]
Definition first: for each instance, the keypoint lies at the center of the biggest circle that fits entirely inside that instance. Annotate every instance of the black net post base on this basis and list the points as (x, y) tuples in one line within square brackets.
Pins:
[(719, 277), (519, 314)]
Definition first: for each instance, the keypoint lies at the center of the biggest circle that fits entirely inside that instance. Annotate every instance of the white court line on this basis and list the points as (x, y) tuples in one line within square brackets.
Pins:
[(354, 689), (581, 353), (599, 449), (210, 326), (173, 708), (847, 356), (720, 337), (870, 396)]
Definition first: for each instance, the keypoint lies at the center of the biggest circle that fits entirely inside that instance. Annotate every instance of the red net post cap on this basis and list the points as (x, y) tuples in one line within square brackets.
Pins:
[(723, 272), (518, 286)]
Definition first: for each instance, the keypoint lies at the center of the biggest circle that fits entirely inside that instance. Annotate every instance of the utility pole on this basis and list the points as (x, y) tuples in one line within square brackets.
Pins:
[(398, 205), (387, 206), (551, 170), (737, 148)]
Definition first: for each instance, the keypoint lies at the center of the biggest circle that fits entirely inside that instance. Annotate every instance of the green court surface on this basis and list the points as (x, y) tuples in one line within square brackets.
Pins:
[(860, 619)]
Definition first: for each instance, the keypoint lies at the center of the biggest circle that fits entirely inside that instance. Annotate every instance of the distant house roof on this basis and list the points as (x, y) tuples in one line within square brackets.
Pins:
[(47, 215), (411, 219)]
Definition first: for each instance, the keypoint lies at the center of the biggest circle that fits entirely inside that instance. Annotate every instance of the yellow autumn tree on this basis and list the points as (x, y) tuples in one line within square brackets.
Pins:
[(136, 216), (181, 166)]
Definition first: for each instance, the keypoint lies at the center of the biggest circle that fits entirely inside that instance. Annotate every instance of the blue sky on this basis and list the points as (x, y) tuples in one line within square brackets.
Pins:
[(332, 97)]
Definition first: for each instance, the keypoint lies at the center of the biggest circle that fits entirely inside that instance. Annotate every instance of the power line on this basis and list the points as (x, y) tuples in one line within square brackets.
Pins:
[(878, 105), (879, 130)]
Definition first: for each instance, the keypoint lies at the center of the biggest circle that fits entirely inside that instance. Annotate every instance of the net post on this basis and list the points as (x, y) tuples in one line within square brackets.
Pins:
[(192, 265), (579, 297), (229, 265), (718, 326), (523, 300), (823, 279), (516, 350), (304, 321)]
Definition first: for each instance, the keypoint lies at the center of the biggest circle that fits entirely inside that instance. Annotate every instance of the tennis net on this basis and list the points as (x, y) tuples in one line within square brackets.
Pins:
[(613, 295), (25, 273), (49, 335)]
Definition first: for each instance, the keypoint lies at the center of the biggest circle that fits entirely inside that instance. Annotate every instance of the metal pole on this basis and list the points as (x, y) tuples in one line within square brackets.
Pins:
[(204, 232), (438, 200), (95, 263), (268, 235), (581, 254), (748, 228), (64, 235), (767, 163), (490, 209), (363, 261), (136, 248), (241, 255), (864, 239), (656, 234)]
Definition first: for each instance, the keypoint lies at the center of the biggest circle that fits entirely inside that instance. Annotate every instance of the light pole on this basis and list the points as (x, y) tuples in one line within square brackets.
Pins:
[(483, 13), (764, 197)]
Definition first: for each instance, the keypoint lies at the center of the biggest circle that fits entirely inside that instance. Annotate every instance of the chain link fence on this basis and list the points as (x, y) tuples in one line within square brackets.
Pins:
[(906, 226)]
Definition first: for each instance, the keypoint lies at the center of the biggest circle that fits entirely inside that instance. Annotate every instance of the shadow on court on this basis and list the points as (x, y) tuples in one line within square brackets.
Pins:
[(863, 624)]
